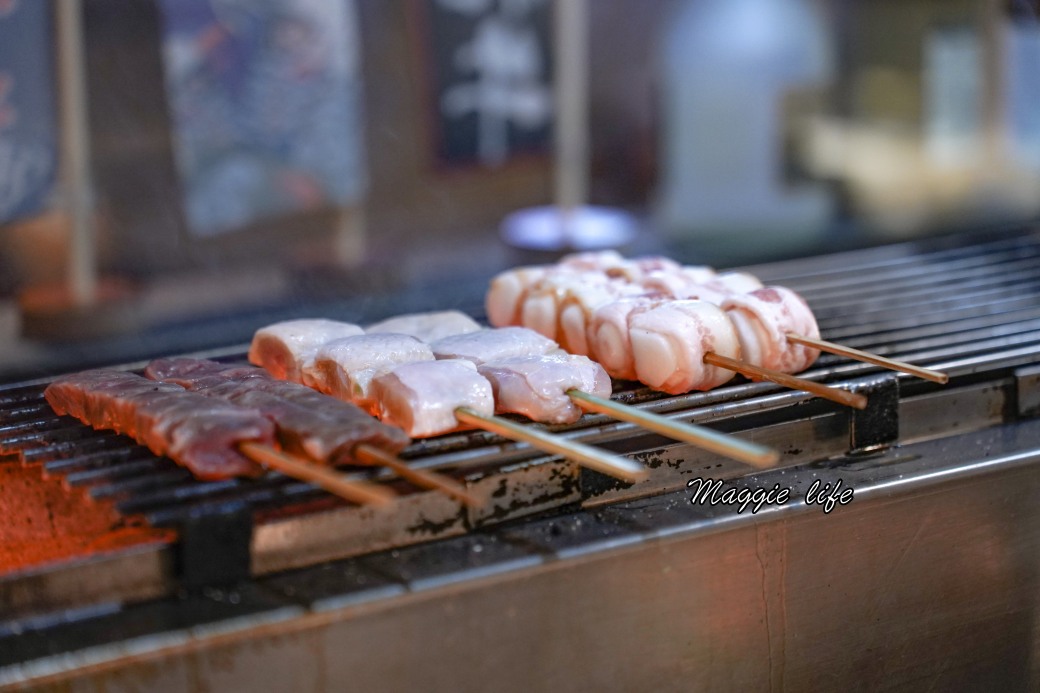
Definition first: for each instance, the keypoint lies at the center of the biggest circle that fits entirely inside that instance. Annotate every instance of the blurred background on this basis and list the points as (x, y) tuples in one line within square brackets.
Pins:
[(176, 173)]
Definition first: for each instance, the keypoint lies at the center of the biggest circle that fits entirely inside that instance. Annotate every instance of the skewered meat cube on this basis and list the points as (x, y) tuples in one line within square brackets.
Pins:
[(613, 264), (543, 302), (609, 335), (195, 431), (427, 326), (345, 367), (422, 397), (669, 342), (493, 345), (286, 350), (321, 427), (505, 295), (537, 386), (762, 320)]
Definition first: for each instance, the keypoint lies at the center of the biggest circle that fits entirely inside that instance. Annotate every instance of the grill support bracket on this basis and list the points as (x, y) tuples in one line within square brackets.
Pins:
[(214, 548), (877, 426)]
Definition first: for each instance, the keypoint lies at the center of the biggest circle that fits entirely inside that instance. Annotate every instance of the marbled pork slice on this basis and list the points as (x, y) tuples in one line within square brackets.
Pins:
[(195, 431), (323, 428)]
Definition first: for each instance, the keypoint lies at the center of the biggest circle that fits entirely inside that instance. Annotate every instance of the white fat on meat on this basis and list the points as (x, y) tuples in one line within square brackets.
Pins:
[(763, 318), (421, 398), (506, 294), (578, 308), (427, 326), (493, 345), (536, 386), (345, 368), (613, 264), (286, 350), (734, 283), (543, 303), (608, 334), (669, 343)]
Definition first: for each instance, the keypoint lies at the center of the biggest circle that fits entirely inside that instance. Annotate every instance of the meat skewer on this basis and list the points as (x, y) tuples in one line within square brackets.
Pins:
[(660, 276), (527, 368), (664, 343), (212, 438), (606, 323), (325, 429), (430, 397), (426, 326), (407, 388), (346, 368)]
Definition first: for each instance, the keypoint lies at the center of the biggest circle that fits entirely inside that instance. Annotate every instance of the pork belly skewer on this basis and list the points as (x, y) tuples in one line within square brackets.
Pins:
[(789, 314), (325, 429), (393, 375), (530, 376), (434, 397), (427, 327), (212, 438), (605, 322), (659, 276)]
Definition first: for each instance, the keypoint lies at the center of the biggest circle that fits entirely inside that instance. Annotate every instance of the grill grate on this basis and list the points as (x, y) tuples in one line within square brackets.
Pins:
[(972, 309)]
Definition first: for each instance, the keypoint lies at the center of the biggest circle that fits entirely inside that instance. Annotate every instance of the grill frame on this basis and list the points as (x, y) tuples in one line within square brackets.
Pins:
[(991, 384)]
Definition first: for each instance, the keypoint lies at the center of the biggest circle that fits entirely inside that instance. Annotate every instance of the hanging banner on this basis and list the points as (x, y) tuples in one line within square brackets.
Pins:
[(489, 75), (28, 133), (265, 101)]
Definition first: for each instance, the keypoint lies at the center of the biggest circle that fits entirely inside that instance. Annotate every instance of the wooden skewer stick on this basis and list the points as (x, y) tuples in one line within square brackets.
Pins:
[(323, 477), (369, 454), (831, 347), (719, 443), (849, 399), (586, 455)]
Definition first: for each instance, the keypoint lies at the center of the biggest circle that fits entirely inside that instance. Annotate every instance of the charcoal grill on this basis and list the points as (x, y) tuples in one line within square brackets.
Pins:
[(568, 576)]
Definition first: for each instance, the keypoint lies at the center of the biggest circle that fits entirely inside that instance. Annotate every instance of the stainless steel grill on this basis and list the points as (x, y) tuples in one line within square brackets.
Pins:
[(968, 306)]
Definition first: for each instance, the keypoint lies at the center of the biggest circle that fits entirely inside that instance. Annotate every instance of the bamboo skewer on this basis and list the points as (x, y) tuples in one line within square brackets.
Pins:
[(368, 454), (832, 348), (700, 436), (586, 455), (361, 492), (849, 399)]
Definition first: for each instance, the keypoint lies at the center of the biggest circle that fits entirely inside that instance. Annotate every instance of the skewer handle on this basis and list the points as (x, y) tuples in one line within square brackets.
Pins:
[(586, 455), (719, 443), (856, 354), (369, 454), (849, 399), (323, 477)]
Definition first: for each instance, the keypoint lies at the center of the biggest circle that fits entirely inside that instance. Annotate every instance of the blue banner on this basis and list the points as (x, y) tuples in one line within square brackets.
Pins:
[(28, 133), (265, 99)]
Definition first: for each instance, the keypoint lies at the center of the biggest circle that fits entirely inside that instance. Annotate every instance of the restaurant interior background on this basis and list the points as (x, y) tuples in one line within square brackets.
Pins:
[(174, 174)]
